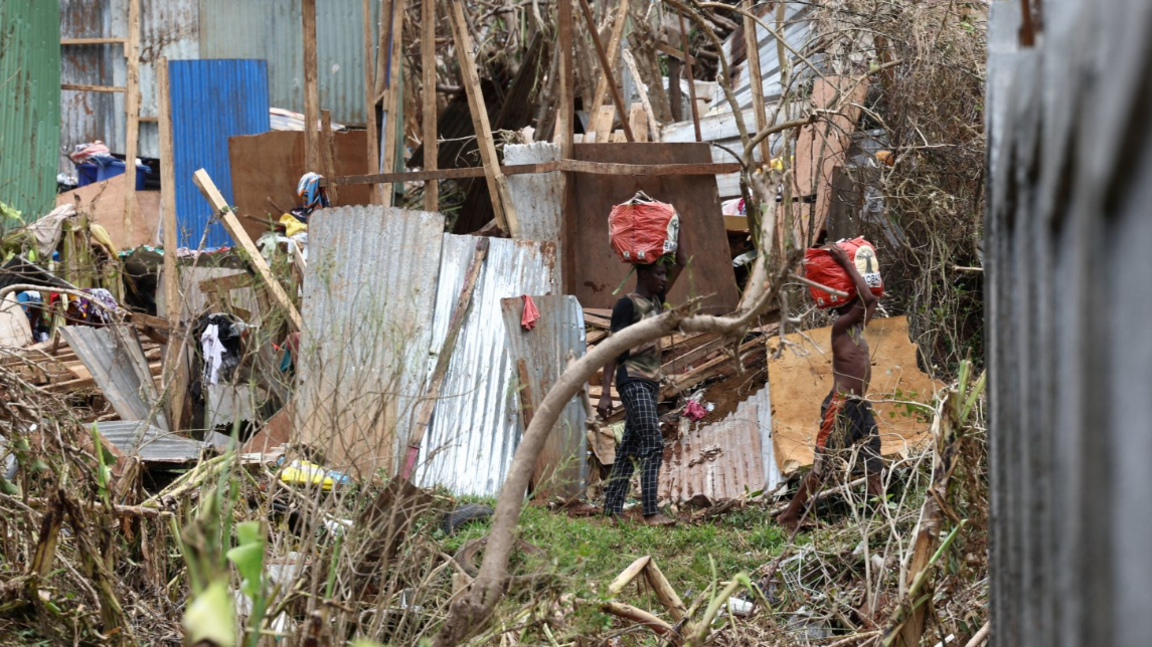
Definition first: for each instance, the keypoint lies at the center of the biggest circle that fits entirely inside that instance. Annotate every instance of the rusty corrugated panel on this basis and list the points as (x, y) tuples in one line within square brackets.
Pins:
[(272, 30), (539, 356), (167, 28), (723, 460), (29, 106), (474, 432), (369, 296)]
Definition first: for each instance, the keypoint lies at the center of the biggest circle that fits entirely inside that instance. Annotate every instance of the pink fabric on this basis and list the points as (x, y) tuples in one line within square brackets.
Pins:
[(694, 411), (531, 314)]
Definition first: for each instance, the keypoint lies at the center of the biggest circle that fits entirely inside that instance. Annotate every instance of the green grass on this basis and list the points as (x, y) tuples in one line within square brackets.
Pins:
[(590, 552)]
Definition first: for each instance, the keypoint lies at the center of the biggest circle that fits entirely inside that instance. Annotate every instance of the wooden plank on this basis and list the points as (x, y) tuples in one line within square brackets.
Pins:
[(94, 41), (311, 87), (606, 69), (502, 206), (327, 152), (212, 195), (755, 80), (175, 376), (642, 90), (393, 126), (613, 59), (574, 166), (603, 123), (132, 112), (429, 113), (373, 148), (691, 80), (639, 121), (81, 87), (565, 124)]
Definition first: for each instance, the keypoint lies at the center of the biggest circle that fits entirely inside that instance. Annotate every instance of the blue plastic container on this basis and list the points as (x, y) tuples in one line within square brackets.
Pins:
[(90, 172)]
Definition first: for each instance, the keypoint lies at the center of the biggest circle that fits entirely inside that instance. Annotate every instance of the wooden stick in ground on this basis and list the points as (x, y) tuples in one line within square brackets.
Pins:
[(756, 82), (613, 59), (373, 151), (175, 376), (606, 68), (311, 88), (132, 112), (236, 230), (664, 592), (627, 575), (565, 122), (691, 79), (393, 126), (497, 184), (429, 116), (455, 324), (327, 152)]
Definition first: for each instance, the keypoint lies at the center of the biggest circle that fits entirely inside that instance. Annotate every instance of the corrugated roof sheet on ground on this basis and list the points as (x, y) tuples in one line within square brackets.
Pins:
[(723, 460), (155, 445), (369, 294), (474, 432), (212, 100), (558, 334)]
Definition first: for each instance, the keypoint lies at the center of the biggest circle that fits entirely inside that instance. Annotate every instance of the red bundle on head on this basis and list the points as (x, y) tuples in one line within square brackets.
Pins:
[(820, 267), (642, 229)]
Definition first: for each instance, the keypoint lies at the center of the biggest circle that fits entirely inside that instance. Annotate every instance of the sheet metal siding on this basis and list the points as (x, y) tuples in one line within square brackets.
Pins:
[(273, 30), (798, 34), (723, 460), (1066, 238), (155, 445), (369, 294), (29, 105), (212, 100), (474, 432), (557, 335), (114, 358), (167, 28), (538, 197)]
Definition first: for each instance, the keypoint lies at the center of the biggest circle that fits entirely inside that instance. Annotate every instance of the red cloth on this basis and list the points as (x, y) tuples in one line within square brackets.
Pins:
[(819, 266), (694, 411), (531, 314), (642, 230)]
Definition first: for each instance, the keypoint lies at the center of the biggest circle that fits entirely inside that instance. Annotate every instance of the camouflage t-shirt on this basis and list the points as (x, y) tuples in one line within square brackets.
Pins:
[(643, 362)]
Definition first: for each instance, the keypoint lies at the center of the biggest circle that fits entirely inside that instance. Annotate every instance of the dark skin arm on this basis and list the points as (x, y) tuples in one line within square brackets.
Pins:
[(867, 300), (851, 364), (604, 406)]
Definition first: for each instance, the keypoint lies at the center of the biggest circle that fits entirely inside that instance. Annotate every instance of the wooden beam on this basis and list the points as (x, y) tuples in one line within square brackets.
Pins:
[(80, 87), (236, 230), (574, 166), (497, 184), (311, 88), (613, 59), (755, 80), (132, 113), (327, 152), (94, 41), (565, 122), (428, 114), (373, 151), (393, 126), (175, 380), (691, 80), (642, 90), (606, 69)]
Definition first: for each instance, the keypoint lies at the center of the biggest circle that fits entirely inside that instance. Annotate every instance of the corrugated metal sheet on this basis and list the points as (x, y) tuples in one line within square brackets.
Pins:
[(369, 294), (155, 445), (212, 100), (29, 105), (798, 34), (723, 460), (272, 30), (559, 334), (167, 28), (114, 358), (474, 432), (538, 197)]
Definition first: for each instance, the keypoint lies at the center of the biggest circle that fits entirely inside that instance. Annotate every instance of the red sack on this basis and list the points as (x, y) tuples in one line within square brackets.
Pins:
[(819, 266), (642, 229)]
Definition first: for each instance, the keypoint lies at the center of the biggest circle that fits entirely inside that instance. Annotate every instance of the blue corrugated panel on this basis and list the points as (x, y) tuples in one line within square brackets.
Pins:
[(212, 100)]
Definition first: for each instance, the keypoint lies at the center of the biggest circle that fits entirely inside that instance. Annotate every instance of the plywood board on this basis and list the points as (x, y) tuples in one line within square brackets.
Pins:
[(592, 270), (103, 204), (269, 165), (802, 377)]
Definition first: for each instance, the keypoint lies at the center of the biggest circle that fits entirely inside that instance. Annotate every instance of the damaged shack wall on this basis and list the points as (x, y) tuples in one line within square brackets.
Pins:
[(29, 106), (167, 28), (272, 30), (474, 431), (1066, 240), (369, 293)]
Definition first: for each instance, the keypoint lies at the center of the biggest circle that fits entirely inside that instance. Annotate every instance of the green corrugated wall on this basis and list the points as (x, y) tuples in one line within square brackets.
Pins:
[(29, 104)]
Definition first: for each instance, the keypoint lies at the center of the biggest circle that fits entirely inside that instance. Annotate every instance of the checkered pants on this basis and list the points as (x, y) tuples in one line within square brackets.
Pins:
[(642, 440)]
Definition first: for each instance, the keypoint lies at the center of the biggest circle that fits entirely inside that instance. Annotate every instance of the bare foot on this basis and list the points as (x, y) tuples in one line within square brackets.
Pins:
[(659, 519)]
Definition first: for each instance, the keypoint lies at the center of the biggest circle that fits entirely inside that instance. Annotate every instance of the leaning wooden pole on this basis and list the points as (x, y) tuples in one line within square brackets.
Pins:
[(755, 80), (606, 67), (311, 88), (393, 126), (691, 80), (373, 151), (131, 112), (175, 378), (429, 116), (613, 60)]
